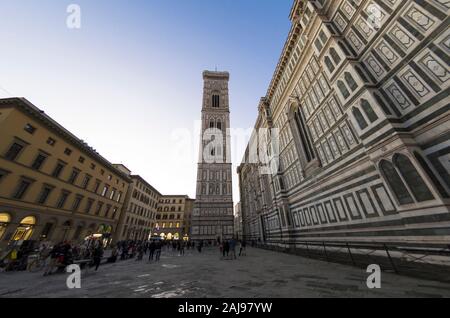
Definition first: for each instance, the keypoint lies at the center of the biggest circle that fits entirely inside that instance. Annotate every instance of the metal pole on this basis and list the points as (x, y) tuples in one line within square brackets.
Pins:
[(390, 259), (351, 255)]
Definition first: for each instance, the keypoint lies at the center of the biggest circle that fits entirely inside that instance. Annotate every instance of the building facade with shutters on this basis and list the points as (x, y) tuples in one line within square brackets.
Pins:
[(360, 100), (140, 211), (173, 219), (53, 186)]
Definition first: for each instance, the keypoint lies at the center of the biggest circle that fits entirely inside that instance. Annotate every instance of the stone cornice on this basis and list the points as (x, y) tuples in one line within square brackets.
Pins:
[(289, 46)]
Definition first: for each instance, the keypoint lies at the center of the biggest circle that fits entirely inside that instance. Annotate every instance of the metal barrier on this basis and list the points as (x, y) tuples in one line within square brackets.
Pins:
[(424, 261)]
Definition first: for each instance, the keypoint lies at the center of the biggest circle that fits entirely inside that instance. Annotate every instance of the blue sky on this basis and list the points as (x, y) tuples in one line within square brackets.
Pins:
[(131, 77)]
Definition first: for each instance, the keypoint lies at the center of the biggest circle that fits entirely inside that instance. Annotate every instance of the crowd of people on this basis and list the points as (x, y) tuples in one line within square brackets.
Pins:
[(91, 253), (228, 249)]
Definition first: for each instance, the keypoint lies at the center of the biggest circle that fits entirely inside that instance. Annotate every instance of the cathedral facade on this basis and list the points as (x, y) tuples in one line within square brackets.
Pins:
[(360, 100)]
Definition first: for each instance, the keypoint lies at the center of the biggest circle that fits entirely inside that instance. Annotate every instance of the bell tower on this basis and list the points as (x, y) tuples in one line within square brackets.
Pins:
[(212, 217)]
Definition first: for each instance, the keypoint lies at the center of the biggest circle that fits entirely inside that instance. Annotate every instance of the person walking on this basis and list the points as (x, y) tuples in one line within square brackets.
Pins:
[(151, 249), (233, 248), (221, 249), (242, 251), (158, 251), (97, 255), (182, 248), (140, 251), (53, 260), (226, 249)]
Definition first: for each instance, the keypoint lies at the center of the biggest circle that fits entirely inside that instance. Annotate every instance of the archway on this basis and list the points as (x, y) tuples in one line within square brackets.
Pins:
[(5, 219), (25, 229)]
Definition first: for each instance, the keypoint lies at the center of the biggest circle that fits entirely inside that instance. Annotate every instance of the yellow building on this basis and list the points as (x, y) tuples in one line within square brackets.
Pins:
[(140, 211), (53, 186), (173, 218)]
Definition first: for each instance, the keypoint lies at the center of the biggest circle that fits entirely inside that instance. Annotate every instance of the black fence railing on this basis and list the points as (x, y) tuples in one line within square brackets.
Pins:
[(423, 261)]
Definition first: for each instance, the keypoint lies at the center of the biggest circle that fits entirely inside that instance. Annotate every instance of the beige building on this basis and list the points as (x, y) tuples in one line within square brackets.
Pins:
[(139, 217), (174, 217), (53, 186), (360, 102)]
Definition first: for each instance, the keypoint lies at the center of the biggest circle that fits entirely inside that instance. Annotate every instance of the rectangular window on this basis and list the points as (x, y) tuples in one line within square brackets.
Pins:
[(58, 169), (62, 200), (73, 177), (76, 203), (81, 160), (89, 204), (67, 151), (108, 208), (113, 193), (92, 166), (29, 129), (45, 193), (22, 189), (99, 208), (105, 190), (97, 186), (114, 213), (86, 181), (13, 151), (38, 162)]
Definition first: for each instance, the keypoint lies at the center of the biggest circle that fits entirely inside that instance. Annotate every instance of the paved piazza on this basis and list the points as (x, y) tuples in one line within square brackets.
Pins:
[(260, 274)]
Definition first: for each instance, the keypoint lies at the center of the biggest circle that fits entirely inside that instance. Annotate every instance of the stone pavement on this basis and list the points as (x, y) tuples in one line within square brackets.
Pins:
[(260, 274)]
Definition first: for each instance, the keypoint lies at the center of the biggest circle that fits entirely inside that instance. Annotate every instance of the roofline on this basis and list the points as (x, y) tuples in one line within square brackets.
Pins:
[(28, 108), (146, 183)]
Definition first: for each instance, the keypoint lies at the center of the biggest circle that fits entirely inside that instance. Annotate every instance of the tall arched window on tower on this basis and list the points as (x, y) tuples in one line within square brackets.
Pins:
[(335, 55), (219, 125), (362, 123), (215, 101), (329, 64), (304, 135), (367, 108), (395, 183), (344, 91), (412, 177), (350, 81)]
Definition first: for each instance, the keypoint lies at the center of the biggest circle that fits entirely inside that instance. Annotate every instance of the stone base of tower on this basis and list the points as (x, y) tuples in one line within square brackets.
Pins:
[(211, 227)]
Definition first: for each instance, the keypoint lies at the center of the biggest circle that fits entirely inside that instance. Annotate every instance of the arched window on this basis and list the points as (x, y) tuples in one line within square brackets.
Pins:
[(335, 55), (25, 229), (369, 111), (216, 101), (219, 125), (395, 183), (415, 182), (344, 91), (329, 64), (350, 81), (211, 124), (303, 131), (359, 118)]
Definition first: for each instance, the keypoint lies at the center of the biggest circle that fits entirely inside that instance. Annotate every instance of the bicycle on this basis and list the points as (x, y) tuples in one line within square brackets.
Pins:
[(36, 263)]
